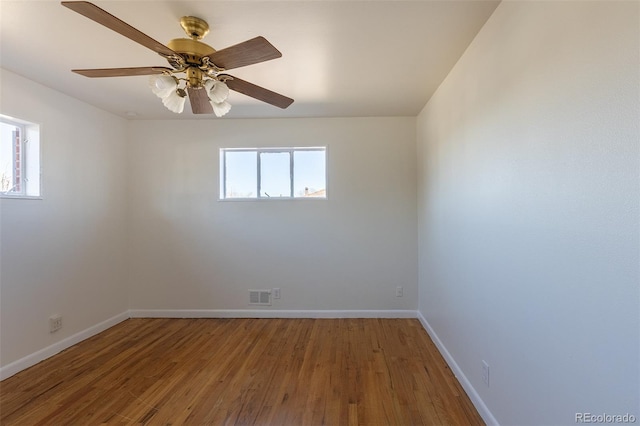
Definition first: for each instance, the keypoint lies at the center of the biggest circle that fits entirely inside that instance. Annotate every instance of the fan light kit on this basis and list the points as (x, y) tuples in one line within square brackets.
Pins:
[(197, 69)]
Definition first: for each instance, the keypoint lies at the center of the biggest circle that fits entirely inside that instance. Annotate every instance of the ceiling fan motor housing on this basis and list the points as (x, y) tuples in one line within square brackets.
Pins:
[(192, 51)]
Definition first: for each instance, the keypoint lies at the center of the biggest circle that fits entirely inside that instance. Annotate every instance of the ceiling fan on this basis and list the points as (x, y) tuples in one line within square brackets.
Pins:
[(197, 69)]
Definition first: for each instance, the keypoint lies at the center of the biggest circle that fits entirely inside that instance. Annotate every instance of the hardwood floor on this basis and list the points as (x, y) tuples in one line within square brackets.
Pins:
[(243, 372)]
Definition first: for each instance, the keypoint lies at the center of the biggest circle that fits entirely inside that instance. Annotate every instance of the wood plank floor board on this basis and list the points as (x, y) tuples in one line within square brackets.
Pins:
[(243, 372)]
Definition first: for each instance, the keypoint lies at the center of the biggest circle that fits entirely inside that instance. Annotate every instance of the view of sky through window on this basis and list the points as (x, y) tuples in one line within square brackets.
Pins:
[(309, 173), (241, 174), (275, 176)]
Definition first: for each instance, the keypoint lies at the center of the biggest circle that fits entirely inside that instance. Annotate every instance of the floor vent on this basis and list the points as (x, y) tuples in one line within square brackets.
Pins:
[(260, 297)]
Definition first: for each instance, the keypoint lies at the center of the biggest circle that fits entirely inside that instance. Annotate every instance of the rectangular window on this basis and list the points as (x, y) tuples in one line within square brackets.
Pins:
[(260, 173), (19, 158)]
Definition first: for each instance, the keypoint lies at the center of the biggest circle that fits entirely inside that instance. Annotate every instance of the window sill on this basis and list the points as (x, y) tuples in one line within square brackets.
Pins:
[(19, 197), (272, 199)]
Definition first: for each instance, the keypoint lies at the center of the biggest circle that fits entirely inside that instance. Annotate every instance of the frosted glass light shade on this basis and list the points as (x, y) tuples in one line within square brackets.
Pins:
[(218, 91), (174, 102), (220, 108), (162, 85)]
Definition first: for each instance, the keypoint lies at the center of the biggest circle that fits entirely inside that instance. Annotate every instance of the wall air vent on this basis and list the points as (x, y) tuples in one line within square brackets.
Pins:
[(260, 297)]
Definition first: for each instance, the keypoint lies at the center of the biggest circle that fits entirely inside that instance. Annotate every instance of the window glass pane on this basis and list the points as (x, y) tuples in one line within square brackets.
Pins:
[(275, 174), (309, 173), (241, 174), (9, 176)]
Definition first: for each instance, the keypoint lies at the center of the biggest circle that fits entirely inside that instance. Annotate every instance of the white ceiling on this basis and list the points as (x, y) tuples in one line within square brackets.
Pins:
[(340, 58)]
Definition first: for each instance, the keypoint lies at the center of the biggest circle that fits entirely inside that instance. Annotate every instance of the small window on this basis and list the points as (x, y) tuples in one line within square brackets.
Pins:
[(261, 173), (19, 158)]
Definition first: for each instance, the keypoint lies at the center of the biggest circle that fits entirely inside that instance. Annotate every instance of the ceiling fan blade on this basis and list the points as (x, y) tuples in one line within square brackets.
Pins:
[(246, 53), (257, 92), (121, 72), (103, 17), (199, 100)]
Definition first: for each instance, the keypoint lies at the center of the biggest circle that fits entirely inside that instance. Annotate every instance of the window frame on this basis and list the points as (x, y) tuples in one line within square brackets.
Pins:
[(222, 196), (26, 129)]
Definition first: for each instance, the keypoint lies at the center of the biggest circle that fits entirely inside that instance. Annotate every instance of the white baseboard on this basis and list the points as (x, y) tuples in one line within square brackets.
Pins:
[(267, 313), (482, 408), (34, 358)]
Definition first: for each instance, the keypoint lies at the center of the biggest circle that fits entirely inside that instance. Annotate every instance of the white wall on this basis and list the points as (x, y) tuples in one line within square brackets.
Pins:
[(528, 211), (62, 254), (349, 252)]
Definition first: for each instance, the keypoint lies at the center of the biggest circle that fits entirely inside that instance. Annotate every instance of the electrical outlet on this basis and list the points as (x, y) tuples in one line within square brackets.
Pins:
[(55, 323), (399, 291), (276, 293), (485, 373)]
